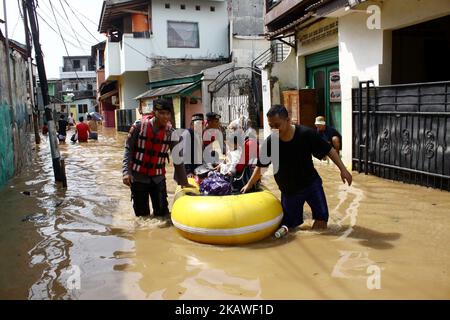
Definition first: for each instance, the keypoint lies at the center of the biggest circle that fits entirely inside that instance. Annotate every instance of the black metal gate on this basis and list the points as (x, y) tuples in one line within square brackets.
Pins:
[(402, 132), (233, 95), (125, 118)]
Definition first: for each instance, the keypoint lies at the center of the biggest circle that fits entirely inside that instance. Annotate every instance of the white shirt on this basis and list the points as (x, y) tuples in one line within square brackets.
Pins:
[(232, 160)]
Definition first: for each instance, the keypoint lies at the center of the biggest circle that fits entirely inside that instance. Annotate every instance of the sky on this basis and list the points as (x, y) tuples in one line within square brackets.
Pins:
[(88, 11)]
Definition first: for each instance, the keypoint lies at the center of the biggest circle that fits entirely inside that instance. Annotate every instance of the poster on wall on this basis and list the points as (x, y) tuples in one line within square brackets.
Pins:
[(335, 86)]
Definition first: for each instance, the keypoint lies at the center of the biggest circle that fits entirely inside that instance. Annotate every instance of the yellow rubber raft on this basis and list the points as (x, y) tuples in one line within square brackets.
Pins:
[(228, 220)]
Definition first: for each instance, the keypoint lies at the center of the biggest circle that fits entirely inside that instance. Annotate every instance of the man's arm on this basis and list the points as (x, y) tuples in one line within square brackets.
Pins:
[(180, 175), (128, 153), (345, 174), (256, 175)]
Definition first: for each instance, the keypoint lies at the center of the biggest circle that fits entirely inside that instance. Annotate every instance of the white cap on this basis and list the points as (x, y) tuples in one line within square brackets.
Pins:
[(320, 120)]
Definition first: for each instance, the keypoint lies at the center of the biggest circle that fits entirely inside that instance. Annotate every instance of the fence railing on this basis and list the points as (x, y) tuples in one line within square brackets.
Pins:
[(403, 132)]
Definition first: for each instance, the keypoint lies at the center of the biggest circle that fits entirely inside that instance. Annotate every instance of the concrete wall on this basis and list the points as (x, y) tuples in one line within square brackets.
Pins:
[(267, 99), (132, 84), (247, 17), (112, 59), (246, 49), (14, 139), (306, 49), (213, 28), (191, 108), (286, 72), (135, 54)]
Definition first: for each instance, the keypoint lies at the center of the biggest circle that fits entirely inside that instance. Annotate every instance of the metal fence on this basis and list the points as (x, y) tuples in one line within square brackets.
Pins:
[(402, 132), (125, 118)]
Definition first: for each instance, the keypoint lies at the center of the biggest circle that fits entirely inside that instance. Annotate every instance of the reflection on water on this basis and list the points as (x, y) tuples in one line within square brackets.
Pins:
[(85, 243)]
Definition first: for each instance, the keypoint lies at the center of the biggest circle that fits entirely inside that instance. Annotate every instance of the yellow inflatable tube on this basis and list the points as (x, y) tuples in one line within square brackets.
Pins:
[(229, 220)]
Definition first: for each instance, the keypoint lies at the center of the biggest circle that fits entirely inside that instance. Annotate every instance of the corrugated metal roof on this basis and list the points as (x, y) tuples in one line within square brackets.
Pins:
[(164, 70), (164, 91)]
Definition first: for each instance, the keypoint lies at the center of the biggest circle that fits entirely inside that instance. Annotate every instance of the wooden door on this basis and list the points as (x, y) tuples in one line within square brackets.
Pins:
[(291, 102), (308, 107)]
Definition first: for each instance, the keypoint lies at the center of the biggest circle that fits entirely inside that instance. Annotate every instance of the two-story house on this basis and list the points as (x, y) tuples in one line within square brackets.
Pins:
[(78, 84), (158, 41)]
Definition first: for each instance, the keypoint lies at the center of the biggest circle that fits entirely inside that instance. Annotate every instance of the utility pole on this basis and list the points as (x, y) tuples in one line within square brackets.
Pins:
[(56, 158), (37, 137)]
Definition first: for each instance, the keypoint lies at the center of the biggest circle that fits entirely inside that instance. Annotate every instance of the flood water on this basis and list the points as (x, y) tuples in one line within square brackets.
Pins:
[(386, 240)]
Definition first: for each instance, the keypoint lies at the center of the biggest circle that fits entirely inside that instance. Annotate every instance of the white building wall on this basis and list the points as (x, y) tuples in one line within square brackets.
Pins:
[(112, 59), (135, 54), (267, 101), (246, 49), (213, 28), (286, 72), (132, 84), (360, 54)]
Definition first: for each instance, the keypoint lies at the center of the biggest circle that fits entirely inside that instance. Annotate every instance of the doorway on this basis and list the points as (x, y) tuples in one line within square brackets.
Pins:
[(322, 74)]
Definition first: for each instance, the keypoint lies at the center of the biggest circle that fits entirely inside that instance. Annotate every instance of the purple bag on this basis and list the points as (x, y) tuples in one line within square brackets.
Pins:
[(215, 184)]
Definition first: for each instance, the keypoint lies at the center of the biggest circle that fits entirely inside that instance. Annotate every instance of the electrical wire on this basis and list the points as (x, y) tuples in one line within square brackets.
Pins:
[(62, 38), (45, 21), (67, 17), (81, 22), (75, 36)]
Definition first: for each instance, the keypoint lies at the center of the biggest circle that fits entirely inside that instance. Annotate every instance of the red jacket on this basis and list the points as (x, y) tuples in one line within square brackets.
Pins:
[(250, 153)]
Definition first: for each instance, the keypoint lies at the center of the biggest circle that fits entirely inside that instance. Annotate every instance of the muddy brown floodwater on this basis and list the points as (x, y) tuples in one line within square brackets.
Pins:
[(386, 240)]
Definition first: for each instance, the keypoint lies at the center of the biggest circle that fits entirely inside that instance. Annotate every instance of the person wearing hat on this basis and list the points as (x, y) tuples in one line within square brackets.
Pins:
[(194, 157), (212, 129), (328, 133), (146, 151)]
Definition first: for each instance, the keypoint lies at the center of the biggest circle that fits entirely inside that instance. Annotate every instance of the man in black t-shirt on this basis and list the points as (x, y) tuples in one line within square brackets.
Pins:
[(328, 133), (62, 128), (294, 173)]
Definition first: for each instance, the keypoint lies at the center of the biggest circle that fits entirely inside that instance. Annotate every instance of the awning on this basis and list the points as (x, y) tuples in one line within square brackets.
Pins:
[(179, 89)]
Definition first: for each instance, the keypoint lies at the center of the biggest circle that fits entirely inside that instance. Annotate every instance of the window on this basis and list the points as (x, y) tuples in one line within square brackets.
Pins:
[(183, 6), (197, 8), (76, 64), (212, 8), (89, 86), (182, 34), (82, 108), (167, 6)]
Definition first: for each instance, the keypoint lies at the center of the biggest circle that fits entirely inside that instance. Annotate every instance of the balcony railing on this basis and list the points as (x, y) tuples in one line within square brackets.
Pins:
[(64, 69)]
